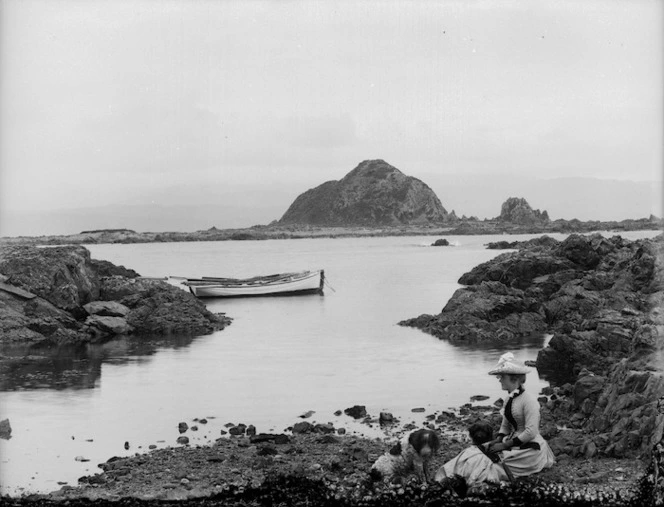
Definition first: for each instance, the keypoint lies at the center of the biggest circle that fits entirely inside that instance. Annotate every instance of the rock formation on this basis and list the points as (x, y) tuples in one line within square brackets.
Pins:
[(603, 300), (60, 295), (372, 194), (518, 211)]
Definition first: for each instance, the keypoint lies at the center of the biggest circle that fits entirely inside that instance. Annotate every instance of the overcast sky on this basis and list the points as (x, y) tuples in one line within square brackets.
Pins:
[(110, 102)]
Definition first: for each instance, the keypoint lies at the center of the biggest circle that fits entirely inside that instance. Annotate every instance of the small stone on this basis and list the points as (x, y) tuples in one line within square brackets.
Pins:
[(6, 429), (302, 427), (418, 410), (182, 427), (385, 418), (238, 430), (183, 440), (356, 411)]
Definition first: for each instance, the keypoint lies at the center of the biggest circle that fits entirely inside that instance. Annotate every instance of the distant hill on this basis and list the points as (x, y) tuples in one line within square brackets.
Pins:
[(373, 194)]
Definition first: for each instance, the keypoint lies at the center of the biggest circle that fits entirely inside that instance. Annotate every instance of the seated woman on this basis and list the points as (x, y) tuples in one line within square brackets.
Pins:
[(520, 447)]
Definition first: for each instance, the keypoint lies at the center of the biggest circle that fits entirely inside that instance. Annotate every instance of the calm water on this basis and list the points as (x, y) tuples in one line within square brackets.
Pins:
[(281, 357)]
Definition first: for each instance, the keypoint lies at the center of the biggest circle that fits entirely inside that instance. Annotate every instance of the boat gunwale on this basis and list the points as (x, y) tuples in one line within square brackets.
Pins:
[(251, 282)]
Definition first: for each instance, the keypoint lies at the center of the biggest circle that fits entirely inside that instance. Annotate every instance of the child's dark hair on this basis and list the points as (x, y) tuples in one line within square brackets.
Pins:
[(480, 432)]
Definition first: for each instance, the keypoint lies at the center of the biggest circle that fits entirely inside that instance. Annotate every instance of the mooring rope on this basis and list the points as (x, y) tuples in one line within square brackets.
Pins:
[(328, 284)]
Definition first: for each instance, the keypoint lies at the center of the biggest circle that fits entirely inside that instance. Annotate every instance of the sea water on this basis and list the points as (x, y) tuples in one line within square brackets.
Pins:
[(280, 358)]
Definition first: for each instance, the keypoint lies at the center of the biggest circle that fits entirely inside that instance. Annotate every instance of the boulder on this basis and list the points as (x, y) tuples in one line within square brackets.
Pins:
[(158, 307), (109, 325), (303, 427), (356, 411), (441, 242), (5, 429), (62, 275), (106, 309)]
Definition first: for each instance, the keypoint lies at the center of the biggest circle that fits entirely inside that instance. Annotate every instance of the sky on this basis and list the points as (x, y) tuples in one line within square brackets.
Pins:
[(174, 114)]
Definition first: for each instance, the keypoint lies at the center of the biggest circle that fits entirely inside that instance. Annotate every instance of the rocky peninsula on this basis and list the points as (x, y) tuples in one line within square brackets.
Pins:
[(60, 295), (601, 299)]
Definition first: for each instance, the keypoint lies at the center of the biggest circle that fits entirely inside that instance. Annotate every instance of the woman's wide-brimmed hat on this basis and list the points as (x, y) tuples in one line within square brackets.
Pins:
[(509, 366)]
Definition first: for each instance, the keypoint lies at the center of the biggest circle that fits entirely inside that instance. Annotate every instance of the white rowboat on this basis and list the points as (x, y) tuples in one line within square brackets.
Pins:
[(283, 284)]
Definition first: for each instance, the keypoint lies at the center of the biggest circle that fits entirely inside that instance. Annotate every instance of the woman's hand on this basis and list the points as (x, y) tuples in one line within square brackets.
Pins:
[(500, 446)]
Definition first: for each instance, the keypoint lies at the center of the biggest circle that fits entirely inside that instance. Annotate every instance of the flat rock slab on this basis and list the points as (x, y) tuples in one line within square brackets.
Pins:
[(17, 291), (106, 309), (114, 325)]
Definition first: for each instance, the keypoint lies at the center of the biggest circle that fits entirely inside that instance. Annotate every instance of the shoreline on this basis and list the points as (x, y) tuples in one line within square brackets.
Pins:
[(324, 466), (265, 232)]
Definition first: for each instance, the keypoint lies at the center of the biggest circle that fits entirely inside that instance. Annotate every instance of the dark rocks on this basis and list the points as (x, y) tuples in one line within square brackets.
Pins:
[(61, 295), (5, 429), (183, 440), (109, 325), (240, 429), (356, 411), (441, 242), (106, 309), (601, 299), (488, 312), (303, 427), (324, 428), (183, 427), (278, 439), (62, 275), (385, 418), (517, 211), (267, 450)]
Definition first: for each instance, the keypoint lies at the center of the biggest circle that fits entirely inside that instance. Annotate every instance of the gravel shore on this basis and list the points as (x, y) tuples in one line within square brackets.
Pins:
[(322, 467)]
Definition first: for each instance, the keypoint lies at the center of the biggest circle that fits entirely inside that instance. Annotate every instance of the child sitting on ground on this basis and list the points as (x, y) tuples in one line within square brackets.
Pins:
[(476, 463)]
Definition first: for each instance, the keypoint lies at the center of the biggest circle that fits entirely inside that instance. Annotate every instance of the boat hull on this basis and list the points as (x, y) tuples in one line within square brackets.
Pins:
[(307, 283)]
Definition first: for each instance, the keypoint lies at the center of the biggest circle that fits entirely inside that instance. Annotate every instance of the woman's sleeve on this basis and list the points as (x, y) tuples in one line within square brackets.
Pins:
[(505, 427), (531, 414)]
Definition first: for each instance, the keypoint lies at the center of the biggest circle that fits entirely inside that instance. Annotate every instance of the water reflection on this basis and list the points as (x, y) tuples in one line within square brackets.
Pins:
[(76, 366)]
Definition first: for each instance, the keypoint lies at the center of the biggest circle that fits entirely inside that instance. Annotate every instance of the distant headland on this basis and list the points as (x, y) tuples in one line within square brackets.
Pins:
[(374, 199)]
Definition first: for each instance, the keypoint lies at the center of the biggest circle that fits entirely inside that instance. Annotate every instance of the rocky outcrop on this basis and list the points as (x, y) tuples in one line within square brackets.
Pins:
[(518, 211), (602, 299), (372, 194), (61, 295)]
